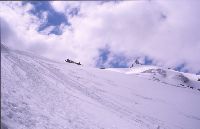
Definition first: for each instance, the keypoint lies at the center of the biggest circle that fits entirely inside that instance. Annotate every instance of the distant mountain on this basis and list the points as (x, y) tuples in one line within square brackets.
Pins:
[(163, 75), (39, 93), (136, 63)]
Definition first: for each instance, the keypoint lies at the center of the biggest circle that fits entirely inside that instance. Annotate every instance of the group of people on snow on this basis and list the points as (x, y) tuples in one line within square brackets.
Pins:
[(71, 61)]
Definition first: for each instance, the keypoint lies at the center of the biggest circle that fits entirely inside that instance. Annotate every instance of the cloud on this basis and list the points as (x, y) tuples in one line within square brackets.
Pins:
[(154, 29), (47, 30), (66, 7)]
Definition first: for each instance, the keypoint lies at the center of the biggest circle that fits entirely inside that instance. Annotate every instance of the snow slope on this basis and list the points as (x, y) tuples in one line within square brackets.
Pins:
[(163, 75), (38, 93)]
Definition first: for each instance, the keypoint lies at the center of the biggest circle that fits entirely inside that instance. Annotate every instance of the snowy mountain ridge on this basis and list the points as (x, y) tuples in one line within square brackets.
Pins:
[(38, 93), (163, 75)]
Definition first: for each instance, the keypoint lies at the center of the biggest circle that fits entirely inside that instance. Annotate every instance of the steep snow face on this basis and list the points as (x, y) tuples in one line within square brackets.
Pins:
[(37, 93)]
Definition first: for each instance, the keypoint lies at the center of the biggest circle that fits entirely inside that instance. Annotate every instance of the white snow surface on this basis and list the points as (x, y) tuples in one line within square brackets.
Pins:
[(38, 93)]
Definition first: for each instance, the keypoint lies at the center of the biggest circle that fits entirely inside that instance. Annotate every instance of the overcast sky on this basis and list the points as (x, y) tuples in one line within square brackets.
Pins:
[(110, 34)]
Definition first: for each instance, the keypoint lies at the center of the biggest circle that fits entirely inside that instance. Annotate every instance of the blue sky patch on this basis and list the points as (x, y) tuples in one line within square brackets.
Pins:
[(181, 68), (148, 61), (53, 19), (118, 60), (103, 56)]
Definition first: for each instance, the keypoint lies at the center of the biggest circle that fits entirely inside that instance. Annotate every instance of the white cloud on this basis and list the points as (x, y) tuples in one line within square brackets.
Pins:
[(58, 6), (64, 7), (47, 30), (166, 31)]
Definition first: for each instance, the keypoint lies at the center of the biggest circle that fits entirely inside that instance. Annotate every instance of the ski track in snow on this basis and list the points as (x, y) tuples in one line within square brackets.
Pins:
[(38, 93)]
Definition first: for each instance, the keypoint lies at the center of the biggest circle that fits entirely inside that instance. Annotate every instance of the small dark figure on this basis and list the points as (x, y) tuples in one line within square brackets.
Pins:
[(131, 66), (198, 79), (67, 60), (137, 62), (191, 87), (78, 63), (71, 61)]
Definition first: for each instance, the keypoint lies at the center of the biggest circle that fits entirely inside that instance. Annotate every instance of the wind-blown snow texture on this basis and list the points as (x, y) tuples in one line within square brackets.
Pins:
[(37, 93)]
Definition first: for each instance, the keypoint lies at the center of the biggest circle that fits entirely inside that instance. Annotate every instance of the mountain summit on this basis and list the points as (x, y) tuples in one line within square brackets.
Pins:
[(136, 63)]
